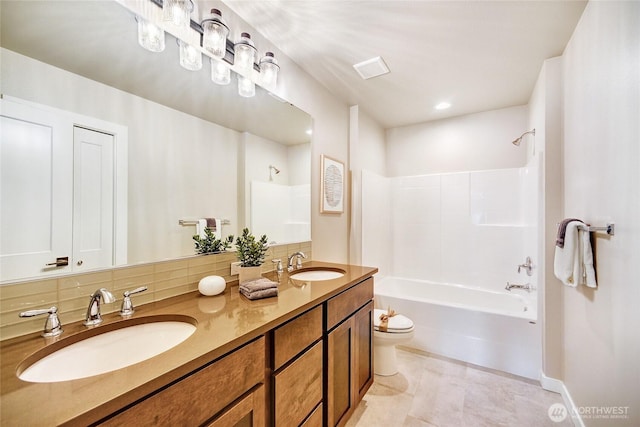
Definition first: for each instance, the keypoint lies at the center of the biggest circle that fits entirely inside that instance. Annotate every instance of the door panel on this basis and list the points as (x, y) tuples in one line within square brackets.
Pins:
[(93, 205), (35, 201)]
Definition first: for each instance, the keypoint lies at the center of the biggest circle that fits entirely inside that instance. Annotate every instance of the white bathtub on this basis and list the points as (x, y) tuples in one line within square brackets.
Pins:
[(496, 330)]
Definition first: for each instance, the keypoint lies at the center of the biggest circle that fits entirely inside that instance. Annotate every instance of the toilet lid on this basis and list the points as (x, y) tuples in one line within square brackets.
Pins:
[(396, 323)]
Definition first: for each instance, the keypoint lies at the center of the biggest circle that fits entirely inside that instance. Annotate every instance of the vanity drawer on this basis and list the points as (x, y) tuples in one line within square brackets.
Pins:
[(348, 302), (298, 388), (296, 335), (196, 398)]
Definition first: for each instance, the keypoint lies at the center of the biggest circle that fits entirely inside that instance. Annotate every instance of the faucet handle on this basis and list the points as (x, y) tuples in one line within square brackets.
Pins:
[(52, 326), (127, 306), (279, 268)]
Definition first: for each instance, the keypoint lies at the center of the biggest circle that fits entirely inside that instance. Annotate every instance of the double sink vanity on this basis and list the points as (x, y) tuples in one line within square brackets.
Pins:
[(301, 358)]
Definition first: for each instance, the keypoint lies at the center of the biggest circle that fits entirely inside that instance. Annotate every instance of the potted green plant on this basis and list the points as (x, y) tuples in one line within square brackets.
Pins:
[(210, 244), (251, 253)]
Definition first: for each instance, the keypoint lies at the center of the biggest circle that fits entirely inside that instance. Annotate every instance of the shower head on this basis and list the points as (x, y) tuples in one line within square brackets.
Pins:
[(517, 141), (273, 169)]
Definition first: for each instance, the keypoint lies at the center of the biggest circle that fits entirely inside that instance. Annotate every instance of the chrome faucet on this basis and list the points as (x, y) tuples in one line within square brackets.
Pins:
[(528, 287), (296, 255), (93, 311), (52, 326), (527, 266)]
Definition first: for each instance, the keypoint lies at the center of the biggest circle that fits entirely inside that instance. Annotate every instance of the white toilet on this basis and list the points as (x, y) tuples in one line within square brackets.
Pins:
[(399, 331)]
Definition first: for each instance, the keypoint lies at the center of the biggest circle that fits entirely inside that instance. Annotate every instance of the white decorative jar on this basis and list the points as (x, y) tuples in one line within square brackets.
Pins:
[(212, 285)]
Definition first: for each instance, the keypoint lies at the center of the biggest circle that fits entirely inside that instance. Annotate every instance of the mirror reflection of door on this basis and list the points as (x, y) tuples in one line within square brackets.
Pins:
[(56, 194)]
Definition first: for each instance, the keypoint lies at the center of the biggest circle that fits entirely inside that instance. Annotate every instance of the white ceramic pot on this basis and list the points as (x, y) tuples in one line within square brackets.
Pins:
[(212, 285)]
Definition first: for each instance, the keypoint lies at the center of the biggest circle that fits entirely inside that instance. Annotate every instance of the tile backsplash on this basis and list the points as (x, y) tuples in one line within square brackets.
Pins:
[(164, 280)]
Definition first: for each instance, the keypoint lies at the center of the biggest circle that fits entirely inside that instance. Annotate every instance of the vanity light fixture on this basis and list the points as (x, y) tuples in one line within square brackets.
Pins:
[(225, 56), (190, 57), (244, 54), (220, 72), (150, 36), (178, 12), (215, 32), (269, 70), (246, 87)]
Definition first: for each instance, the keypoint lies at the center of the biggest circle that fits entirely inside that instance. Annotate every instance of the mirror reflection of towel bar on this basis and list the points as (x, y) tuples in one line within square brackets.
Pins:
[(610, 228), (195, 222)]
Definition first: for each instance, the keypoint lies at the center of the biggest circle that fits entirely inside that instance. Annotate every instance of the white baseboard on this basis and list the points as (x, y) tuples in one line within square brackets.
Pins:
[(558, 386)]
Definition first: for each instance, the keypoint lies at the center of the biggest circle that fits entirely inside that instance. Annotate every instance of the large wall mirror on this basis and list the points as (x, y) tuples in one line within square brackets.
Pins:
[(195, 149)]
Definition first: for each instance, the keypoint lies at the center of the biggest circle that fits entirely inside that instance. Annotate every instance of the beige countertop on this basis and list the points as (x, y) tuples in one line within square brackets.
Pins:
[(224, 322)]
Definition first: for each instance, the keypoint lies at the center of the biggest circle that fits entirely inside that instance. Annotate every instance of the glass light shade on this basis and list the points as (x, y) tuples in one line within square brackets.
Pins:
[(220, 72), (269, 71), (150, 36), (214, 38), (246, 87), (244, 54), (190, 57), (178, 12)]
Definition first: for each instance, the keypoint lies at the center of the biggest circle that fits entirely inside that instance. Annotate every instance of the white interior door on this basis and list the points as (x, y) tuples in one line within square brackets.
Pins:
[(93, 199), (36, 176)]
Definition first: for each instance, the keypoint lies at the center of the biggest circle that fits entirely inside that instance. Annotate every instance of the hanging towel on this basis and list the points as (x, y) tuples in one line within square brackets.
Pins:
[(211, 223), (589, 273), (200, 226), (562, 230), (566, 264), (573, 262)]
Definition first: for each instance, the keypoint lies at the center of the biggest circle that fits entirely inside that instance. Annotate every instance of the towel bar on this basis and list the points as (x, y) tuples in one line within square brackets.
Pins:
[(610, 228), (195, 222)]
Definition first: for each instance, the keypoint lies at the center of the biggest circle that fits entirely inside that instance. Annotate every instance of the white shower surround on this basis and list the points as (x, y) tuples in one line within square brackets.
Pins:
[(471, 229)]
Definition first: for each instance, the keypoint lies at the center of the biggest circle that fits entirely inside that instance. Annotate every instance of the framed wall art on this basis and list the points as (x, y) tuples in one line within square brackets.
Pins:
[(332, 181)]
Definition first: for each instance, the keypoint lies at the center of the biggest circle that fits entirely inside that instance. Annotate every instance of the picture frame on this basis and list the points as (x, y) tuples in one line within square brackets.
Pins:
[(332, 185)]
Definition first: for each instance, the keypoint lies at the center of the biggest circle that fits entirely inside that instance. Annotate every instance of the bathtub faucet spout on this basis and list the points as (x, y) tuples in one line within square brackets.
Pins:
[(528, 287)]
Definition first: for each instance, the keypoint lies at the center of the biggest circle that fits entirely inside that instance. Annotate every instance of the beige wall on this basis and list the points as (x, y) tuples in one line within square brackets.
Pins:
[(466, 143), (601, 74)]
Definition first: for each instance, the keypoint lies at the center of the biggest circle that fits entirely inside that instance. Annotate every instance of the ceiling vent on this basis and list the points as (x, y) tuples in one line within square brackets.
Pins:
[(370, 68)]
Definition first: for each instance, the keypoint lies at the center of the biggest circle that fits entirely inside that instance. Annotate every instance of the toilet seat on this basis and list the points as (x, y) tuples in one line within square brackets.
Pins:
[(397, 324)]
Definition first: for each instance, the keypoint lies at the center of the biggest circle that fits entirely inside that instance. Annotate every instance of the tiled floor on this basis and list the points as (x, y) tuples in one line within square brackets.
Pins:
[(433, 391)]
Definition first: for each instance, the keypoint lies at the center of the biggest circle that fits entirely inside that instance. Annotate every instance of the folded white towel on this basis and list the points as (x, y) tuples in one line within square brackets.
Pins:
[(573, 264)]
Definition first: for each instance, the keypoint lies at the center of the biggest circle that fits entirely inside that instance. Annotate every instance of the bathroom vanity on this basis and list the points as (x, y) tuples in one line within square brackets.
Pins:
[(303, 358)]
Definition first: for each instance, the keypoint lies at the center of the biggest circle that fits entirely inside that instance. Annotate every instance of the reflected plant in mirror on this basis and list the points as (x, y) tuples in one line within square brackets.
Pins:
[(210, 244)]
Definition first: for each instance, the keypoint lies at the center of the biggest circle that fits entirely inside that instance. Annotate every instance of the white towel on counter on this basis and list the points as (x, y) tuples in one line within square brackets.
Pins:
[(573, 264)]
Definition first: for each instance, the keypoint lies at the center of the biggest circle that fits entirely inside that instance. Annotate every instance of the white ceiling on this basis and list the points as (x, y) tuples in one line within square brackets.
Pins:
[(477, 55)]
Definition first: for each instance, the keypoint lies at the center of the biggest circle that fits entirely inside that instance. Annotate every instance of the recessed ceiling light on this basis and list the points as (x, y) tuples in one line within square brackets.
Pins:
[(442, 106), (370, 68)]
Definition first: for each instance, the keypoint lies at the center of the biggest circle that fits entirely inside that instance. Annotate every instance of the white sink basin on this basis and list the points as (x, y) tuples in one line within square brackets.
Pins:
[(132, 342), (315, 275)]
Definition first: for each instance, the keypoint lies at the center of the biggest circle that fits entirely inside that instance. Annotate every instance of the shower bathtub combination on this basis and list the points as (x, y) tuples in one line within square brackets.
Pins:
[(485, 328), (446, 245)]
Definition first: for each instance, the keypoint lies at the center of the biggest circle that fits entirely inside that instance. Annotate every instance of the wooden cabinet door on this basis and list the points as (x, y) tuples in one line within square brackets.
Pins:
[(249, 412), (340, 360), (364, 350), (349, 364)]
